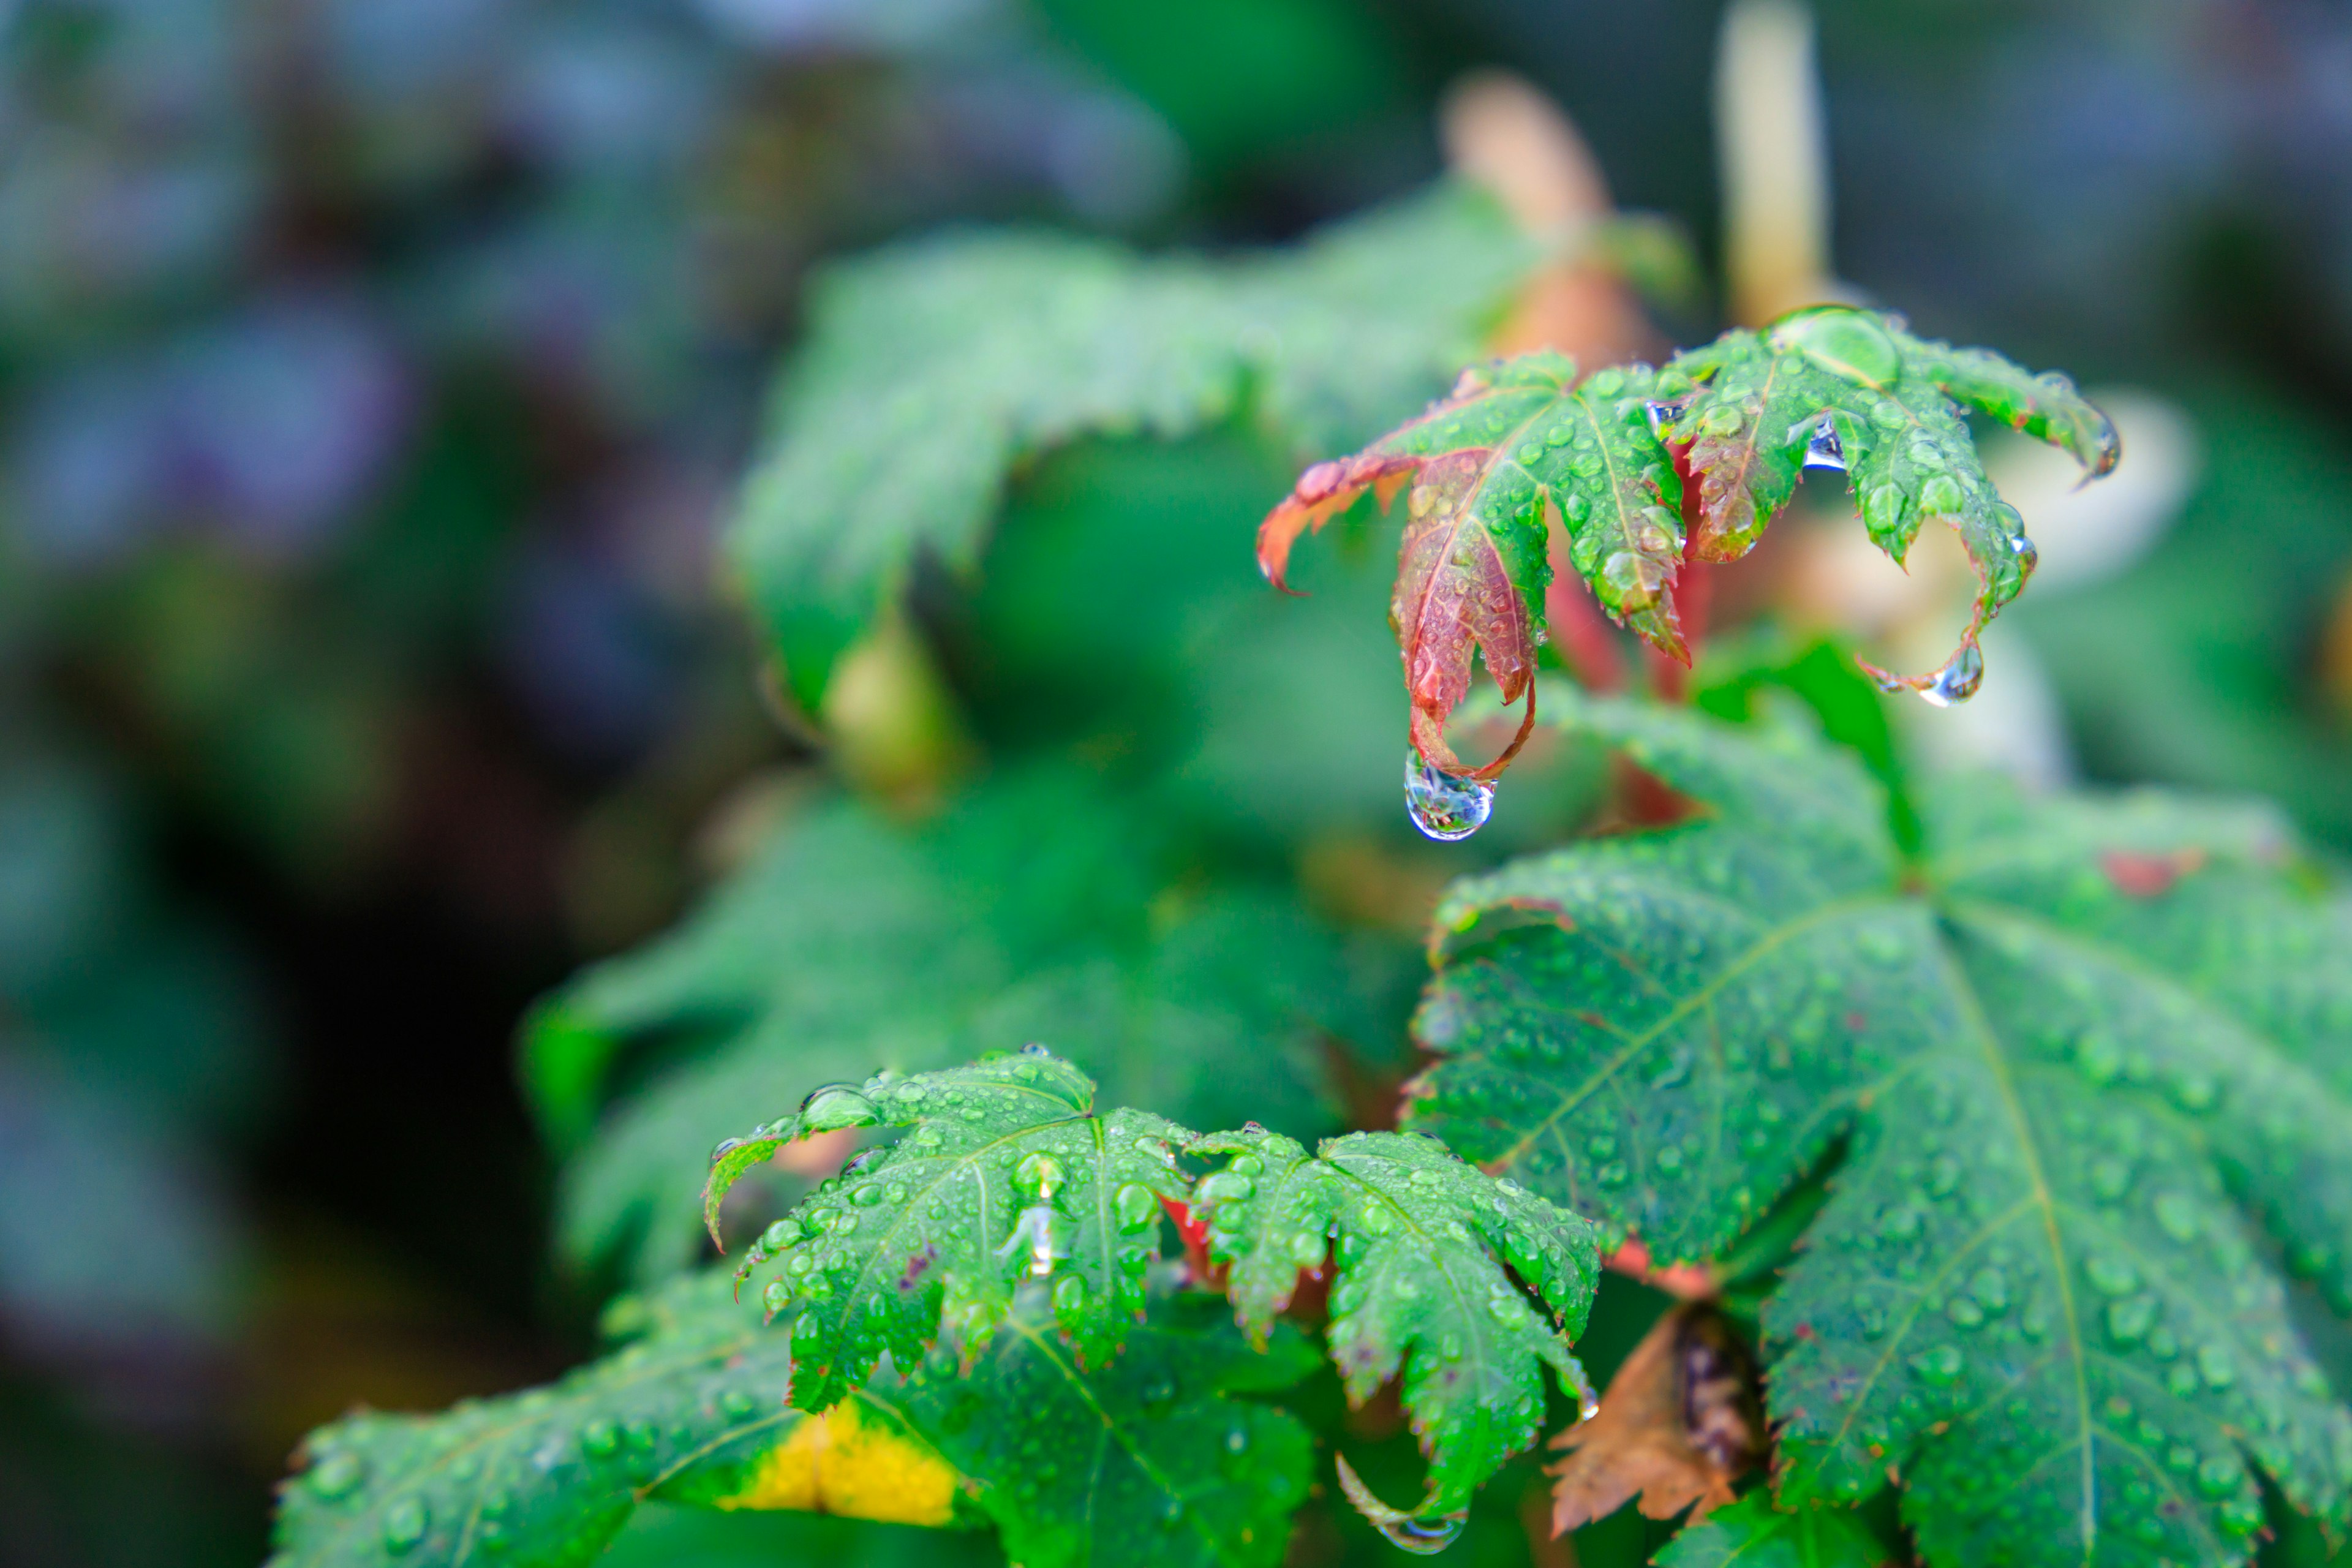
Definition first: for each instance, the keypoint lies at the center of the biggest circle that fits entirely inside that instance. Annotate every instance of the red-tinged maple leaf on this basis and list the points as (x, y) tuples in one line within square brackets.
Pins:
[(1520, 445), (1486, 472)]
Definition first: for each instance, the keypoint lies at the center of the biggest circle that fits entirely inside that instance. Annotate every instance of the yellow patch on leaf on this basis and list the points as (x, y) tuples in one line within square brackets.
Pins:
[(846, 1462)]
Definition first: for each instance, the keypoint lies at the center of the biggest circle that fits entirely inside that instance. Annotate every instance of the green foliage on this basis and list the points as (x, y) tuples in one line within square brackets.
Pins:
[(1040, 907), (1422, 1242), (933, 370), (2085, 1058), (1752, 1534), (1522, 442), (1140, 1462), (1008, 1176)]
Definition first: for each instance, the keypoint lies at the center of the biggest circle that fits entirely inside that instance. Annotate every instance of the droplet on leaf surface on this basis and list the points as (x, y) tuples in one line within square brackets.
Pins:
[(1442, 805), (1845, 341)]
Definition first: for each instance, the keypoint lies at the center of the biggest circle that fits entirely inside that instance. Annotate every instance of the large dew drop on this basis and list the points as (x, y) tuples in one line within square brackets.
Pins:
[(1826, 450), (1959, 680), (1442, 805), (1424, 1535)]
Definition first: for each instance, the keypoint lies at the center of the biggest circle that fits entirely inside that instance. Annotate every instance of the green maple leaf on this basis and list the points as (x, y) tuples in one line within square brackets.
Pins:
[(1422, 1244), (1007, 1177), (932, 369), (796, 971), (1752, 1534), (1071, 1465), (1522, 442), (2087, 1060)]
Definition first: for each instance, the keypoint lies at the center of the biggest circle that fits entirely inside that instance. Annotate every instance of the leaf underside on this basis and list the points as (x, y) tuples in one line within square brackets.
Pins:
[(2087, 1060), (1072, 1465), (1422, 1243), (1522, 446), (932, 368)]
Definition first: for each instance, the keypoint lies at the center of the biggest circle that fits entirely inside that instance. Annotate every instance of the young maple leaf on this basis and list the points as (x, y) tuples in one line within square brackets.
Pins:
[(1008, 1176), (2080, 1105), (1522, 447), (1485, 471), (1423, 1241)]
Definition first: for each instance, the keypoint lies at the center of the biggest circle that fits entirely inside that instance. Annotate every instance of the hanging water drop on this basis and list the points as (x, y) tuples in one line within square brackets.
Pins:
[(1826, 450), (1959, 680), (1442, 805), (1422, 1534)]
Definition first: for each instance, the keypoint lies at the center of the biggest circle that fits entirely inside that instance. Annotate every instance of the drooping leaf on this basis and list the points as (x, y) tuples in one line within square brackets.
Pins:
[(1483, 470), (933, 368), (1678, 1427), (1422, 1243), (1071, 1465), (2089, 1059), (1520, 442), (1040, 907), (1752, 1534), (1007, 1177)]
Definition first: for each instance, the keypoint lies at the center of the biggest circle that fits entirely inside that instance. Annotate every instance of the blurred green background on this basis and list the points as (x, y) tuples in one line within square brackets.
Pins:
[(374, 376)]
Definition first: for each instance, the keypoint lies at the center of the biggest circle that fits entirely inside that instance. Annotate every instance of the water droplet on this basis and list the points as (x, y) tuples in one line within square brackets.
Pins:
[(405, 1523), (2128, 1321), (1137, 1206), (1423, 1535), (2177, 1216), (1843, 341), (2110, 1276), (836, 1105), (725, 1147), (1941, 1365), (338, 1475), (1959, 680), (600, 1440), (776, 1297), (1034, 1049), (2028, 556), (1069, 1296), (1826, 450), (1442, 805), (2216, 1366), (1040, 1175)]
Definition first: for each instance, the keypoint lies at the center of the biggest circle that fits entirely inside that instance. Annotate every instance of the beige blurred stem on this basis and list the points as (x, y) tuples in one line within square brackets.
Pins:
[(1772, 148), (1501, 133)]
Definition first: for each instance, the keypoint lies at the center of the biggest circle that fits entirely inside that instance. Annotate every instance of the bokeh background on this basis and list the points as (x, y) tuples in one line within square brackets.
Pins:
[(375, 376)]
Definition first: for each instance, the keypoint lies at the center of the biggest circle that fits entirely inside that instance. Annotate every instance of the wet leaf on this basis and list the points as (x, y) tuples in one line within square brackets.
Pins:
[(1036, 907), (1422, 1243), (1071, 1465), (2077, 1118), (1005, 1176), (1678, 1425), (1516, 444), (932, 368), (1752, 1534), (1521, 443)]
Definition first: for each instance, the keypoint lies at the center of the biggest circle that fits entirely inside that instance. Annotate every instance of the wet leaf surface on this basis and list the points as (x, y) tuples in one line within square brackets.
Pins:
[(2080, 1119)]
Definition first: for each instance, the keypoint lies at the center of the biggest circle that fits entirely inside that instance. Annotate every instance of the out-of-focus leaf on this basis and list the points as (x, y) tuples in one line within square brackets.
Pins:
[(932, 369), (1678, 1427), (2086, 1054), (1031, 911)]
